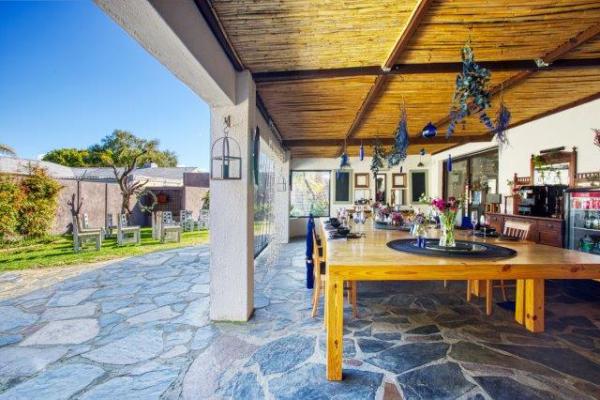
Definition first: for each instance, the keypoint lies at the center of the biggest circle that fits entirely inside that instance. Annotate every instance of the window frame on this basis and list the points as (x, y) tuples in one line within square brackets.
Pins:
[(291, 180)]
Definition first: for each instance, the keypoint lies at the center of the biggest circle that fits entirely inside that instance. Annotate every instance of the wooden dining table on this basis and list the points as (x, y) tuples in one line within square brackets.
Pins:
[(370, 259)]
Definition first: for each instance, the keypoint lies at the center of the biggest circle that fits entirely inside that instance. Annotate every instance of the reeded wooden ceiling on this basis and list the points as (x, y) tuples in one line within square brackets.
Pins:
[(329, 70)]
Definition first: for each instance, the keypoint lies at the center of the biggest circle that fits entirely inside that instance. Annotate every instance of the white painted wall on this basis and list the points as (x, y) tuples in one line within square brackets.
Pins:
[(298, 225), (568, 128), (232, 214), (333, 164)]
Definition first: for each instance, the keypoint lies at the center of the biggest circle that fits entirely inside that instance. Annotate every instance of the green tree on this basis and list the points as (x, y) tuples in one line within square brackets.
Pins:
[(206, 201), (10, 199), (6, 150), (40, 199), (119, 142), (123, 152), (69, 156)]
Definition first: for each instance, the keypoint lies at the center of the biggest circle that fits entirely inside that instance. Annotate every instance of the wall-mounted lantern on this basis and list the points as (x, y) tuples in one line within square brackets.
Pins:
[(225, 156), (282, 184)]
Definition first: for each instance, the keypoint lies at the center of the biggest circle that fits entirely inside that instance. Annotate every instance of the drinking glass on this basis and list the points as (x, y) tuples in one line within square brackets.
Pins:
[(473, 222), (356, 218)]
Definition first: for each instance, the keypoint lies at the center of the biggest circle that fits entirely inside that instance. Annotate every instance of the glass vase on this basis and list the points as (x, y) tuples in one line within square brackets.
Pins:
[(447, 238)]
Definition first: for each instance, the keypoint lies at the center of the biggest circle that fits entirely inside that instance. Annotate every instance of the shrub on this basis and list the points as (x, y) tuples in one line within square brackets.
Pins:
[(10, 199), (38, 208)]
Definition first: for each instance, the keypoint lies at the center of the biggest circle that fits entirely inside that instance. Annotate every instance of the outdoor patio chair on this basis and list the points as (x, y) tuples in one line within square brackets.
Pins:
[(110, 225), (320, 277), (187, 221), (169, 227), (203, 219), (126, 233), (81, 235), (516, 229)]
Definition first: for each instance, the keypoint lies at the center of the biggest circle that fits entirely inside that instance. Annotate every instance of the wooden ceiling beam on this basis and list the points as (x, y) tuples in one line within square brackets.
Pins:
[(408, 69), (415, 18), (210, 16), (548, 58), (413, 22), (416, 141)]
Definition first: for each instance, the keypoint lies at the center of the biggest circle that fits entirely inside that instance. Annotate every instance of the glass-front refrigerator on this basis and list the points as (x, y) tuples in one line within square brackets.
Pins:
[(583, 219)]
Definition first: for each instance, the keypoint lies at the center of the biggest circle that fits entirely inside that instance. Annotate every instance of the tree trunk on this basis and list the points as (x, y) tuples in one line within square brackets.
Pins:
[(125, 204)]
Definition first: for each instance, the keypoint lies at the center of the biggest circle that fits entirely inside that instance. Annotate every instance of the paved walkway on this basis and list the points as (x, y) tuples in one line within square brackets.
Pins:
[(139, 329)]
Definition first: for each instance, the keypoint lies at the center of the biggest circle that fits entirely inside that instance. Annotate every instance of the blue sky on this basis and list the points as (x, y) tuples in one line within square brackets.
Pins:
[(69, 76)]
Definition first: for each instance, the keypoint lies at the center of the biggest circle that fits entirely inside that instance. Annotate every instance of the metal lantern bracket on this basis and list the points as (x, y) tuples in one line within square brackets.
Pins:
[(225, 156)]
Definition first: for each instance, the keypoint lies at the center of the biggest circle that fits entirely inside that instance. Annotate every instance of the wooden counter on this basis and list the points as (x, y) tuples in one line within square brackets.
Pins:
[(548, 231)]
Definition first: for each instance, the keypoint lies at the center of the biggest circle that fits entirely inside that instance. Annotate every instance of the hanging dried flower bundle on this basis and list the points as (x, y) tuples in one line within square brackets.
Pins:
[(470, 85), (399, 151), (378, 157), (596, 137), (502, 123)]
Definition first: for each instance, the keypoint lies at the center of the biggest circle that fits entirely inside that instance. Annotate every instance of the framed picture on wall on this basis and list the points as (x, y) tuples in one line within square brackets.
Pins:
[(398, 181), (343, 186), (361, 180), (418, 185), (381, 188)]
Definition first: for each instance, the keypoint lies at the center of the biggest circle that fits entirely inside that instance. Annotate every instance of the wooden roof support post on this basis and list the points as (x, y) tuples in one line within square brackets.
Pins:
[(409, 29)]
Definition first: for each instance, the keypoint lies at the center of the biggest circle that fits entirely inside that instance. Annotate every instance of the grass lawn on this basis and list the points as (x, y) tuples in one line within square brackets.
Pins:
[(57, 251)]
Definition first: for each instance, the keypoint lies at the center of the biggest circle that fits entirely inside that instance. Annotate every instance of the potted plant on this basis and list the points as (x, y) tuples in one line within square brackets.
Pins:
[(447, 213)]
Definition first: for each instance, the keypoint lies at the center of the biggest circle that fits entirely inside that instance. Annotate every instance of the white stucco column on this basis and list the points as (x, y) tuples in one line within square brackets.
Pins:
[(232, 214), (282, 202)]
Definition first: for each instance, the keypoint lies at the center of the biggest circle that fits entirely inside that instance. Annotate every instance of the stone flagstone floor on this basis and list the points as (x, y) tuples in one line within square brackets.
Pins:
[(139, 329)]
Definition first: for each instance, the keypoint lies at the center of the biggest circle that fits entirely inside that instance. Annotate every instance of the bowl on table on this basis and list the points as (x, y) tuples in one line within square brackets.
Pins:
[(343, 231)]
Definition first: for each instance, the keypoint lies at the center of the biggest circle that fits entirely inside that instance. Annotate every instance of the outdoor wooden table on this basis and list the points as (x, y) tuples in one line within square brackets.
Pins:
[(369, 259)]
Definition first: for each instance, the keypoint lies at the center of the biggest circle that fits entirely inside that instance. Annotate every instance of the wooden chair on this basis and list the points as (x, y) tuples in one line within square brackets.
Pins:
[(203, 219), (126, 233), (81, 235), (320, 276), (169, 227), (186, 221), (511, 228)]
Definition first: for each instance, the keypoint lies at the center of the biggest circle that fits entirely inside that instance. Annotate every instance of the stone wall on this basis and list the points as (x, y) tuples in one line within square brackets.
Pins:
[(192, 199), (98, 199)]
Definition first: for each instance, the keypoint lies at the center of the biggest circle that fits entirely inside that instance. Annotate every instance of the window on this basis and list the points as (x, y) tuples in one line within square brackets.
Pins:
[(418, 185), (310, 193), (263, 204)]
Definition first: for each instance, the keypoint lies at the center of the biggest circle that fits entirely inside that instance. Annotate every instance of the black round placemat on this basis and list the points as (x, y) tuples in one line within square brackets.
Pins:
[(463, 249)]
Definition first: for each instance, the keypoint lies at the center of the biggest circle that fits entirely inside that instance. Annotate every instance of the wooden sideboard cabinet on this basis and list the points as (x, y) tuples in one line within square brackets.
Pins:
[(548, 231)]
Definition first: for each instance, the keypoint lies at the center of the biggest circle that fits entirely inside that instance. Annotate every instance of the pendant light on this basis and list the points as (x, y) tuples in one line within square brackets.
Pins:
[(421, 154), (344, 161), (361, 152), (429, 131)]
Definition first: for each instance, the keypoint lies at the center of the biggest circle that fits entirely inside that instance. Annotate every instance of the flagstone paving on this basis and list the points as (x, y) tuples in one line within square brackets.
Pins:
[(139, 329)]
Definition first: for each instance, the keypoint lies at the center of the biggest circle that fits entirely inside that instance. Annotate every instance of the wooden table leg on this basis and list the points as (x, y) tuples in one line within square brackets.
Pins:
[(534, 305), (477, 287), (520, 302), (335, 326), (489, 296), (469, 291)]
